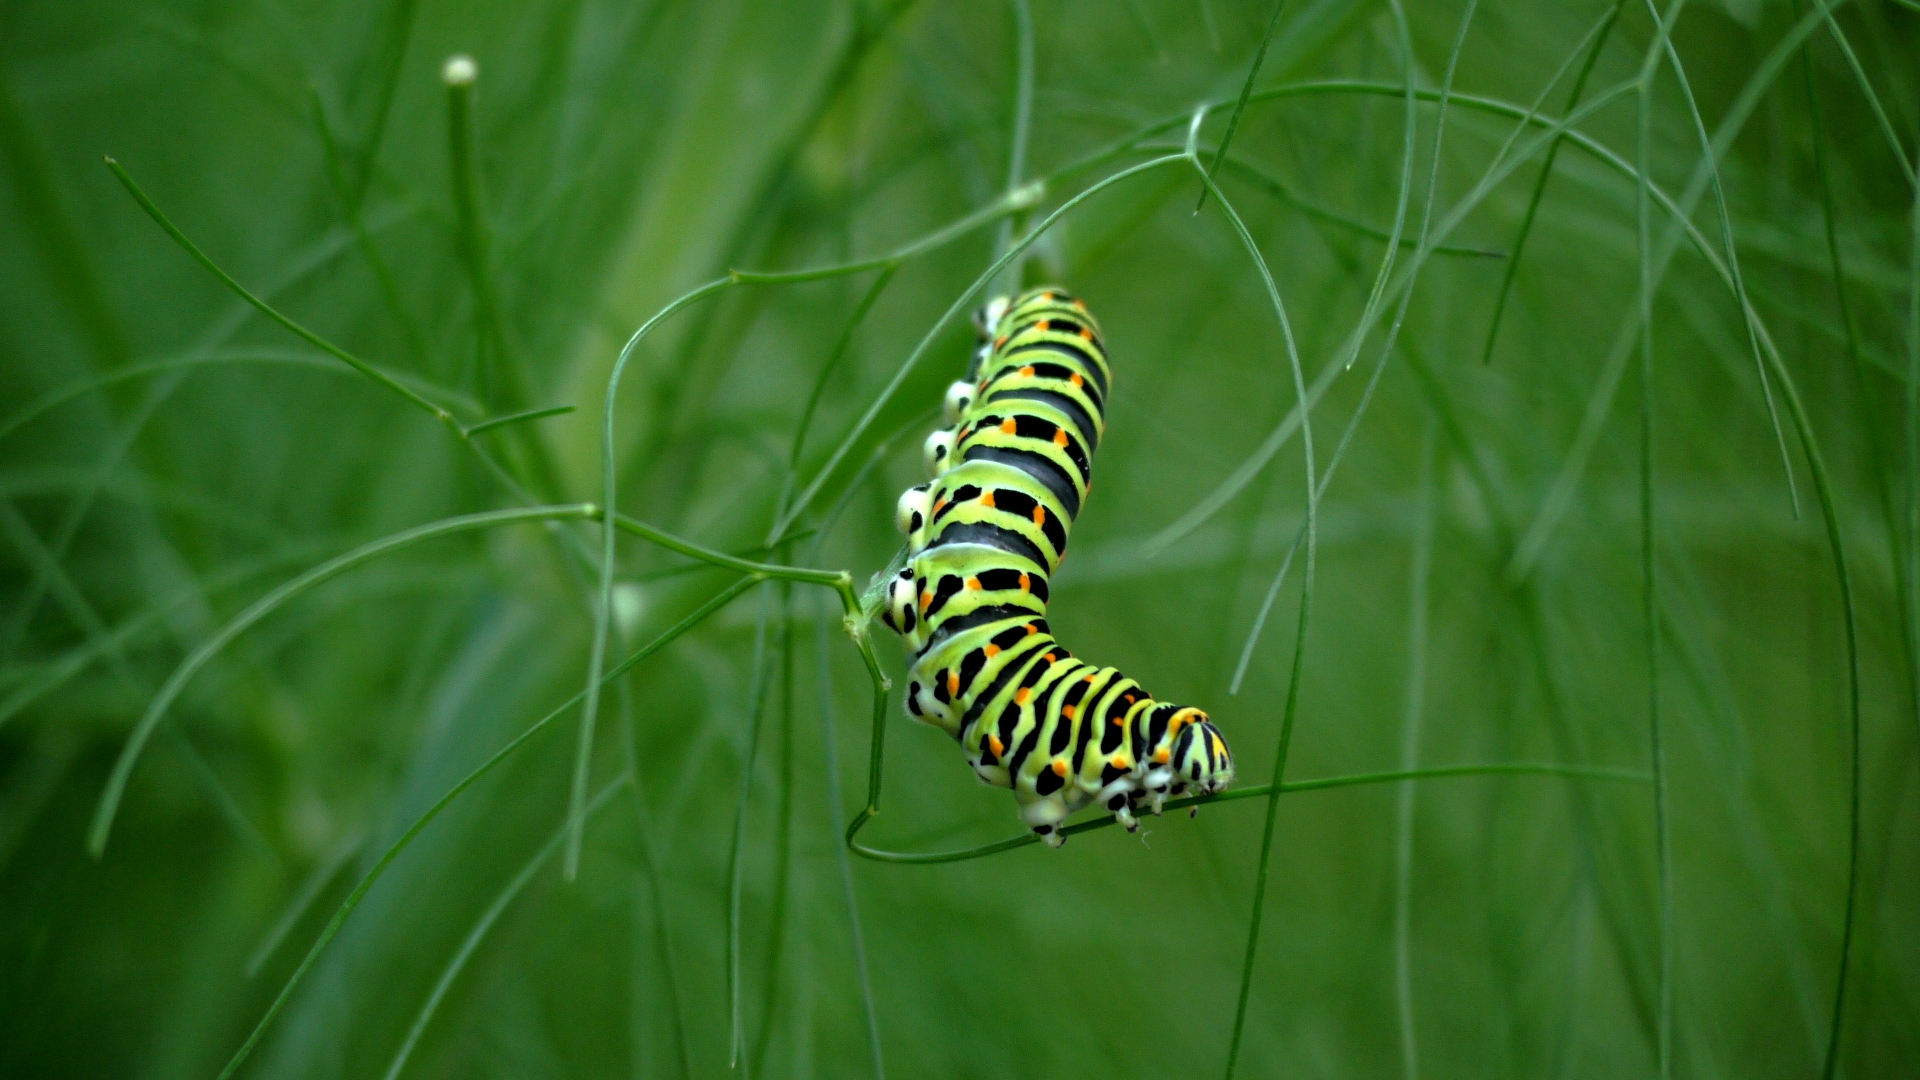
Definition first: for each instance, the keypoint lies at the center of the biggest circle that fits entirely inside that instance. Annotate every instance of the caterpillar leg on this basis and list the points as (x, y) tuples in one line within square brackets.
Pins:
[(1156, 788), (1043, 814), (901, 612), (1119, 798)]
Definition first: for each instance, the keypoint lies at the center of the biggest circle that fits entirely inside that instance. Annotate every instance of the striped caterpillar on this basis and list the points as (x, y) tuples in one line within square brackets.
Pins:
[(983, 537)]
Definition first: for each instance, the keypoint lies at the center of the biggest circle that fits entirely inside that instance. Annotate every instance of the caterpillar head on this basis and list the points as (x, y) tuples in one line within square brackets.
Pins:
[(1201, 762), (938, 451), (901, 613), (959, 400), (1190, 756)]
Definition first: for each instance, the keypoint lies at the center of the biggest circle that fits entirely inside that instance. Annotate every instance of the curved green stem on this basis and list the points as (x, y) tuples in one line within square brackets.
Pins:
[(438, 412), (1515, 768), (359, 892), (1240, 106), (872, 413), (1605, 28), (143, 730)]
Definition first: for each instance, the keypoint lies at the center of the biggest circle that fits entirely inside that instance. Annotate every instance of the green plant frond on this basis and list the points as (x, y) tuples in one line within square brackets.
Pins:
[(1610, 267)]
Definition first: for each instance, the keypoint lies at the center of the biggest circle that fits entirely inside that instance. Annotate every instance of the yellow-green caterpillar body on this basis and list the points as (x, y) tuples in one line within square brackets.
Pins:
[(983, 539)]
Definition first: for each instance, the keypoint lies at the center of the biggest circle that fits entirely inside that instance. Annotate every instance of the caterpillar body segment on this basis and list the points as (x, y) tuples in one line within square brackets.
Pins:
[(984, 537)]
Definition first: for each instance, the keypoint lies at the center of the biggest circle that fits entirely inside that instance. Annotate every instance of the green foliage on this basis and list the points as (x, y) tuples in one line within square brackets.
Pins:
[(1609, 322)]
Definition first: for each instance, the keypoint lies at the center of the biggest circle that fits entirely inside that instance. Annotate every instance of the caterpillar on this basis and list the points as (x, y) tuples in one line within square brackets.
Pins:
[(984, 536)]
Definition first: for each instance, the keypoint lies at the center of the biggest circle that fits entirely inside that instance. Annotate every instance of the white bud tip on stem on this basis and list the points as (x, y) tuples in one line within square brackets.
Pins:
[(460, 70)]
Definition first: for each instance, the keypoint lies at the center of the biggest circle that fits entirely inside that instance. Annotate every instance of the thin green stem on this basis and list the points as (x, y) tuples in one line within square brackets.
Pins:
[(520, 417), (647, 879), (53, 399), (1649, 571), (1816, 464), (130, 752), (1561, 492), (1023, 198), (501, 901), (1866, 89), (603, 607), (472, 241), (303, 898), (1423, 249), (1417, 604), (829, 741), (872, 413), (835, 579), (1517, 768), (1306, 608), (782, 832), (351, 195), (1605, 28), (110, 798), (1246, 88), (756, 704), (1903, 580), (1277, 188), (1022, 128), (1912, 612), (359, 892), (839, 353), (438, 412), (1708, 161)]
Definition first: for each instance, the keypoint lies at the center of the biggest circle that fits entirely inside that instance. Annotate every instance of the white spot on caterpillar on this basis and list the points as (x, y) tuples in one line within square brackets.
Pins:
[(959, 400), (912, 509), (938, 449)]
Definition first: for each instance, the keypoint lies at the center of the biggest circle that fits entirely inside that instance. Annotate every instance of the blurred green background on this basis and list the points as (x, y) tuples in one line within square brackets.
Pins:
[(169, 456)]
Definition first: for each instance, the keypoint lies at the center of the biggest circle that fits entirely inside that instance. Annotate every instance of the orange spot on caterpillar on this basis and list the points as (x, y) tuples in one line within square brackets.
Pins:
[(999, 747), (1118, 761), (953, 682), (1051, 659), (1039, 515), (991, 650), (1009, 427), (1046, 298), (999, 341), (1077, 380), (1080, 305), (925, 599), (986, 499), (1120, 720), (1059, 436), (1089, 677), (1032, 629), (1160, 756), (1043, 324), (1086, 333), (1059, 767), (1021, 695), (973, 583), (1026, 585), (1027, 372), (1068, 711)]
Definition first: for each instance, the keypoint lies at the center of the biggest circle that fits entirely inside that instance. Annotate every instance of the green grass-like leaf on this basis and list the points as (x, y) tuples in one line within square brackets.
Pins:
[(1552, 541)]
